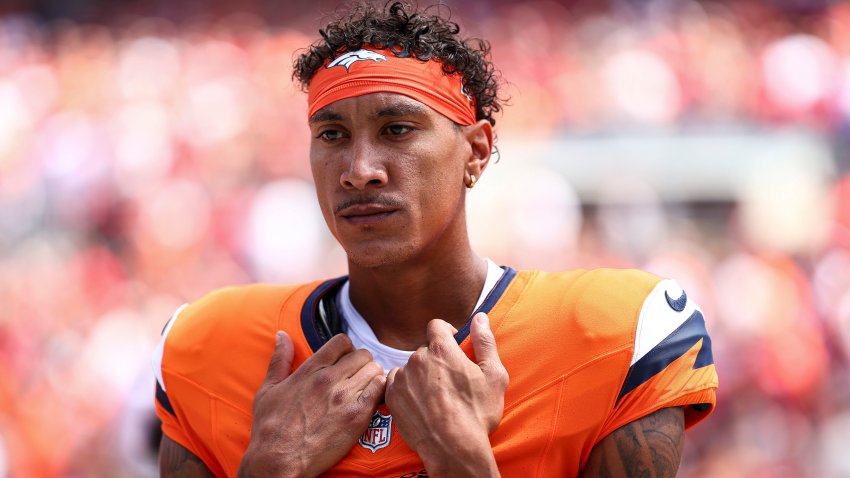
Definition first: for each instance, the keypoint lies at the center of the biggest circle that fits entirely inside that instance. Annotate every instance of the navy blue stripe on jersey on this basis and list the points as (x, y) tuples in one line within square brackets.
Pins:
[(671, 348), (310, 311), (489, 301), (163, 400)]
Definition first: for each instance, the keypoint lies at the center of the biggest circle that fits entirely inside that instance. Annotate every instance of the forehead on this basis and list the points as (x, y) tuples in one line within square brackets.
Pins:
[(372, 105)]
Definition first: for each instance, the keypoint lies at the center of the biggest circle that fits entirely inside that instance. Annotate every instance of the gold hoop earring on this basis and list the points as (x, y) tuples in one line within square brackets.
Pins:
[(471, 181)]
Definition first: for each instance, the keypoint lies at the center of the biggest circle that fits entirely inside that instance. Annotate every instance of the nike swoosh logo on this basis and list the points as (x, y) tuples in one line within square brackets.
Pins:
[(677, 304)]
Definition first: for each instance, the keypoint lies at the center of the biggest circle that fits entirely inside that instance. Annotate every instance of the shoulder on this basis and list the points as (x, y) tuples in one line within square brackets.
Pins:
[(617, 307), (252, 297), (207, 331), (595, 286), (651, 311), (602, 300), (614, 287), (672, 363), (667, 315), (220, 309)]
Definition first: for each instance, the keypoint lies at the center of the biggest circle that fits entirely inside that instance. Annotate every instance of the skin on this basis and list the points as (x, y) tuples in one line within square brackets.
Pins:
[(650, 447), (291, 436), (391, 177), (393, 152), (176, 461), (449, 426)]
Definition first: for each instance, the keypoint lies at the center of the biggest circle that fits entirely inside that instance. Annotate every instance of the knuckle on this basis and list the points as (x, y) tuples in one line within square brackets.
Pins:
[(377, 369), (487, 339), (417, 359), (398, 378), (353, 410), (274, 364), (438, 347), (323, 378), (342, 340), (390, 397), (503, 379), (336, 344), (268, 429), (339, 395), (363, 355), (364, 397), (367, 397)]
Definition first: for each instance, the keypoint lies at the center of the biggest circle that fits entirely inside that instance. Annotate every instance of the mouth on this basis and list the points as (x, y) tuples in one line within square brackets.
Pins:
[(366, 214)]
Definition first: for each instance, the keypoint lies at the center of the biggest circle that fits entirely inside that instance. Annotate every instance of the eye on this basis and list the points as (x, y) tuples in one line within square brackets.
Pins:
[(330, 135), (398, 129)]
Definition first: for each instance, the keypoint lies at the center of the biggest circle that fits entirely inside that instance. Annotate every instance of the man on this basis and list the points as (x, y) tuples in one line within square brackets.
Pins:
[(426, 360)]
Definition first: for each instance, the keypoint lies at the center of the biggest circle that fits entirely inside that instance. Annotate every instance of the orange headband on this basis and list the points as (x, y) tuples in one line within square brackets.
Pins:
[(361, 72)]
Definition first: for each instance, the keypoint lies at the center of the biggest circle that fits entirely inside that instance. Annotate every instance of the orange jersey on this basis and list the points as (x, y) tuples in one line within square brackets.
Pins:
[(587, 352)]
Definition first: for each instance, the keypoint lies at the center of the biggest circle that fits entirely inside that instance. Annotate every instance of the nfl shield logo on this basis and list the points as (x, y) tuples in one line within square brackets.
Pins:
[(377, 436)]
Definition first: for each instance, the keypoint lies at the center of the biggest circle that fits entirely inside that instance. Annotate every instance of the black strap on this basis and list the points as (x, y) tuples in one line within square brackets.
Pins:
[(328, 321)]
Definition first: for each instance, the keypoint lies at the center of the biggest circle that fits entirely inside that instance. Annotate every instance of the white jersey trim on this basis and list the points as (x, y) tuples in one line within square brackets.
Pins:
[(658, 319), (156, 360)]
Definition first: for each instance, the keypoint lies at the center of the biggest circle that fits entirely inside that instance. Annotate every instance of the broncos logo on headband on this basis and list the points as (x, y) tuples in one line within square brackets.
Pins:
[(352, 57)]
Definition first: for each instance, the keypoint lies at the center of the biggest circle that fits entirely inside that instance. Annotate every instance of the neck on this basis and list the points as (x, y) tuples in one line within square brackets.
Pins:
[(399, 300)]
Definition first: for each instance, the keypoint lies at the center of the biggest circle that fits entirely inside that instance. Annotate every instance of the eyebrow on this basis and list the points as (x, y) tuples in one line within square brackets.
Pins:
[(325, 114), (401, 109)]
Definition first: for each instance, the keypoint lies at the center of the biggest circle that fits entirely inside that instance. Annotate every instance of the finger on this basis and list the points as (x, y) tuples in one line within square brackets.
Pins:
[(391, 377), (280, 365), (349, 364), (361, 378), (334, 349), (440, 335), (373, 392), (486, 353)]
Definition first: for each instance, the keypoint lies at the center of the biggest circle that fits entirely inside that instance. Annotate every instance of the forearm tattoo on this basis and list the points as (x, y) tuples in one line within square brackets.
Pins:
[(649, 447), (175, 461)]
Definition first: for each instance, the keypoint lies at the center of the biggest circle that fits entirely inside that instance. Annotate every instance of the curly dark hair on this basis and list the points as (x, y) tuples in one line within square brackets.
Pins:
[(406, 31)]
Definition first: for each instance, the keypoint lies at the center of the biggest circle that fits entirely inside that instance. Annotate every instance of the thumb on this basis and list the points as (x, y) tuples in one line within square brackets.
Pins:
[(486, 354), (280, 365)]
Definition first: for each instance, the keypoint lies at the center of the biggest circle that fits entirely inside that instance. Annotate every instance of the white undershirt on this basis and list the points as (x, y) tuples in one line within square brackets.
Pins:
[(363, 337)]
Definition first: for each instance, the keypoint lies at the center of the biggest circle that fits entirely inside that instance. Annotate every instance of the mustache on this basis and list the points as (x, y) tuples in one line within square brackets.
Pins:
[(385, 201)]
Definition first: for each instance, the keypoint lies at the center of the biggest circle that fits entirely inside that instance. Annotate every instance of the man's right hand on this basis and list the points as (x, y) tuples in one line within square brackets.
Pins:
[(305, 422)]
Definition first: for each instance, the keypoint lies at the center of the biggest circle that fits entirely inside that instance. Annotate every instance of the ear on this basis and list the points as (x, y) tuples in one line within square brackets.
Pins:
[(480, 138)]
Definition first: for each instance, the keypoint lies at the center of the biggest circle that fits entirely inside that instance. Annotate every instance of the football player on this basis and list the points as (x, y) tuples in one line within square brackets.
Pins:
[(426, 359)]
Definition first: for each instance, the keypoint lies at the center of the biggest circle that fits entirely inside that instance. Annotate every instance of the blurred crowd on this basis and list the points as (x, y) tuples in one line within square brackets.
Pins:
[(146, 162)]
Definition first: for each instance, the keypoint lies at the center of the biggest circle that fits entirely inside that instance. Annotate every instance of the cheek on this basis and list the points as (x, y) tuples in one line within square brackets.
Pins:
[(324, 184), (318, 165), (438, 182), (322, 168), (444, 167)]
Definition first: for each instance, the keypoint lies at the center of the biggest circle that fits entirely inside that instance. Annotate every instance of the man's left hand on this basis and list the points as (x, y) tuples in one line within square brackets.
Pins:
[(445, 406)]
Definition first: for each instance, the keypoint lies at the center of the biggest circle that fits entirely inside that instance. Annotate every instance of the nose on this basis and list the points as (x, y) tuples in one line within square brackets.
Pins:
[(365, 169)]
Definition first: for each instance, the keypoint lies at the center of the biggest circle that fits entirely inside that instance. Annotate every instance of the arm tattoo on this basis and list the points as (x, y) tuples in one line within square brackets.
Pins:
[(649, 447), (175, 461)]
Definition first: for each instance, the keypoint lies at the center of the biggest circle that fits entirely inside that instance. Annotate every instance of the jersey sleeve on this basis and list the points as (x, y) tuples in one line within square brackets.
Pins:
[(211, 359), (171, 426), (672, 362)]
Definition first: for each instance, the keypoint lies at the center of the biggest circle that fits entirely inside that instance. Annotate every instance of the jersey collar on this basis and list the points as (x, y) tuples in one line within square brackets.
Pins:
[(319, 314)]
